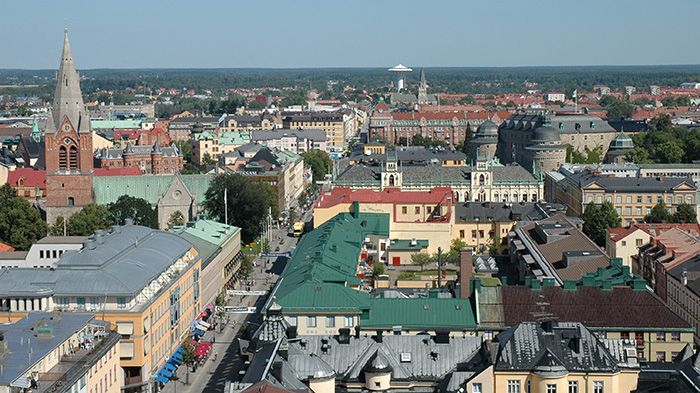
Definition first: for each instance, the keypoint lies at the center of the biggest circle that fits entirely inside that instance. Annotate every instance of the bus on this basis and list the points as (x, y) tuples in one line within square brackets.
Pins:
[(298, 229)]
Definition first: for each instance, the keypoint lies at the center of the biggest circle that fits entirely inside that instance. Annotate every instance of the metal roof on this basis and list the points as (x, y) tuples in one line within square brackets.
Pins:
[(107, 189)]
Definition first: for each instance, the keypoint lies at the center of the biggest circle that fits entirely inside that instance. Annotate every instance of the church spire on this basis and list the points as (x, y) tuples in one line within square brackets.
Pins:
[(68, 100)]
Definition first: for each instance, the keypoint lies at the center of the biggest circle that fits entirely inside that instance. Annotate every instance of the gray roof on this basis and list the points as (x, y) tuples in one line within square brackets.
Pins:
[(529, 347), (629, 184), (488, 211), (20, 338), (436, 175), (61, 240), (265, 135), (410, 155), (122, 263), (116, 153), (68, 100), (428, 360), (563, 123), (312, 116)]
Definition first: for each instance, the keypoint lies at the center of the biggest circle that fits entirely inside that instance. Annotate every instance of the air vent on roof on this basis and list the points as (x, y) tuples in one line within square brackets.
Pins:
[(405, 357)]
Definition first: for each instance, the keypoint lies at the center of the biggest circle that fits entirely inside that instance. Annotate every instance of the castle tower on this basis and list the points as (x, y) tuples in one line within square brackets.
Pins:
[(68, 144), (546, 152), (391, 175), (484, 141), (619, 147)]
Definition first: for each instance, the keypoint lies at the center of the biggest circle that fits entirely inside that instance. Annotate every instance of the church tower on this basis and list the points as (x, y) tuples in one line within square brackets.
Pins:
[(422, 89), (68, 144)]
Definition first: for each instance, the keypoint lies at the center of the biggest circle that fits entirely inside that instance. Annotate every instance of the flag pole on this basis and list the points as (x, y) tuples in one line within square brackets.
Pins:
[(226, 206)]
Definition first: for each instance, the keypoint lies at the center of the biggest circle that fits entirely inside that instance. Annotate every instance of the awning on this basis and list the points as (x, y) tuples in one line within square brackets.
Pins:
[(204, 325), (177, 355), (198, 332), (202, 349), (170, 367), (161, 379), (175, 361), (165, 372)]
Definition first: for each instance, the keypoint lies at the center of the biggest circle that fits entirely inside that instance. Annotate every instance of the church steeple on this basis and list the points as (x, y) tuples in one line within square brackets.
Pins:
[(68, 100)]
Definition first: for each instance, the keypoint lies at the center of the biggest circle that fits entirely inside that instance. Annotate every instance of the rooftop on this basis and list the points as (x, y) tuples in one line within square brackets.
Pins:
[(341, 195)]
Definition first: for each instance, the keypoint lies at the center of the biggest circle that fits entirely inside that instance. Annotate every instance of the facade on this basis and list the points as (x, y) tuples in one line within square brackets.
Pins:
[(554, 96), (245, 123), (296, 141), (212, 145), (68, 144), (50, 338), (581, 131), (625, 242), (332, 123), (485, 141), (398, 128), (29, 183), (44, 254), (633, 198), (683, 291), (151, 305), (554, 250), (149, 159), (487, 181)]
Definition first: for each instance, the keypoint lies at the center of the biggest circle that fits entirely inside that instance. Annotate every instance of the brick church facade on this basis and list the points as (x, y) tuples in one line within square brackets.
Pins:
[(68, 144)]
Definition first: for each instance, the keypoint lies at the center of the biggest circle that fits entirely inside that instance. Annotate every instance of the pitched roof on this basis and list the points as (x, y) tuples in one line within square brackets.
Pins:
[(340, 195), (107, 189), (29, 178), (110, 171), (68, 99)]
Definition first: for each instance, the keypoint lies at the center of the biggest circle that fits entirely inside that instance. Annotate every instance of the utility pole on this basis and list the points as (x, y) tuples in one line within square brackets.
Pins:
[(439, 266)]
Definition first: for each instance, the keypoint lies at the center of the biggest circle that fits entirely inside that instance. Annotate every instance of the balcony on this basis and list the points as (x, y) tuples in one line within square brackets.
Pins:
[(71, 367)]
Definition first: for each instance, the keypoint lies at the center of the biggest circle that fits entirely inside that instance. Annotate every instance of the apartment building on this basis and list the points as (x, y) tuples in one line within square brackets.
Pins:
[(211, 145), (625, 242), (296, 141), (332, 123)]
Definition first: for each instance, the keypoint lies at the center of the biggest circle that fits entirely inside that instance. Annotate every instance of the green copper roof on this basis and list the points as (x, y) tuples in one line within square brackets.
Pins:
[(209, 230), (107, 189), (233, 138), (107, 124), (405, 245), (415, 313), (322, 268)]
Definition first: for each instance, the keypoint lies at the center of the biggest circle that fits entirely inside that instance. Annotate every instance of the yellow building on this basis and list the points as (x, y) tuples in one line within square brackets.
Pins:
[(625, 242), (632, 197), (332, 123), (144, 282), (551, 357)]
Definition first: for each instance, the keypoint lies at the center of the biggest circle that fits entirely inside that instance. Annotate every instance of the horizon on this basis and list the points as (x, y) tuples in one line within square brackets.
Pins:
[(221, 35)]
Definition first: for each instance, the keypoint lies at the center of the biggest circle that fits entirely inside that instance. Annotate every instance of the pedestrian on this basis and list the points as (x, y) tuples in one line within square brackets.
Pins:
[(216, 354)]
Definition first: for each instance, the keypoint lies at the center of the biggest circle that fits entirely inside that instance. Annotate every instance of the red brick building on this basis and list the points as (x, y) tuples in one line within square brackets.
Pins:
[(28, 182), (151, 159)]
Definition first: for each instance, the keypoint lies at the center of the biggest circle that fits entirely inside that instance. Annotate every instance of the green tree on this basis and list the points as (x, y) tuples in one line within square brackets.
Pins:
[(246, 267), (638, 155), (248, 203), (188, 357), (659, 213), (669, 152), (320, 163), (452, 255), (91, 218), (176, 219), (20, 223), (597, 219), (495, 245), (422, 259), (377, 269), (594, 156), (685, 213), (137, 209), (185, 148)]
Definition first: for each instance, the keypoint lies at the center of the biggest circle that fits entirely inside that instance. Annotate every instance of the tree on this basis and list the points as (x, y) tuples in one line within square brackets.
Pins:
[(176, 219), (20, 223), (659, 213), (597, 219), (669, 152), (246, 266), (495, 245), (421, 259), (452, 255), (188, 357), (685, 213), (320, 163), (248, 203), (137, 209), (185, 148), (377, 269), (91, 218), (638, 155)]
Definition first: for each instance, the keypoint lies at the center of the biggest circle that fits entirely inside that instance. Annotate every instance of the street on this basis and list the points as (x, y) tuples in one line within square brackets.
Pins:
[(224, 362)]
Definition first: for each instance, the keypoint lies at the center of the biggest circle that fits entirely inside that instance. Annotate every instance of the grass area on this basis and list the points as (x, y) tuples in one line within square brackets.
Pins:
[(411, 275), (252, 248)]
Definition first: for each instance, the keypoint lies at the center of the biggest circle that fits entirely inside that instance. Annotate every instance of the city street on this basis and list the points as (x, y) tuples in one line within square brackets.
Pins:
[(226, 365)]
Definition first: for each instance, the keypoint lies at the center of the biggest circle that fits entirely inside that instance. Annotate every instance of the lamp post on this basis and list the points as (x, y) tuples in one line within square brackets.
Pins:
[(439, 266)]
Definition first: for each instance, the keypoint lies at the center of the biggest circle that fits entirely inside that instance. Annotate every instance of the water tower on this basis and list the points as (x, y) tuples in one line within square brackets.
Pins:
[(400, 71)]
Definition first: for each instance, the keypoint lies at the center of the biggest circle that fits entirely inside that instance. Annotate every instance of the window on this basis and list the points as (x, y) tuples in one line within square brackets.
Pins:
[(660, 336), (639, 199), (461, 233), (476, 388), (639, 242), (639, 211), (311, 321), (121, 302), (41, 254), (95, 302), (628, 211), (573, 386), (330, 322), (349, 321), (660, 356), (71, 201), (404, 209), (73, 155), (551, 388), (675, 336), (81, 303), (473, 233), (528, 387), (63, 301), (292, 321), (618, 199), (598, 386), (513, 386), (624, 243), (618, 210), (629, 199), (599, 199), (417, 210), (62, 157)]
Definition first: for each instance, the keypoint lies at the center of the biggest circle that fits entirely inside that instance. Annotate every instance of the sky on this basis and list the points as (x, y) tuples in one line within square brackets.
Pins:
[(348, 33)]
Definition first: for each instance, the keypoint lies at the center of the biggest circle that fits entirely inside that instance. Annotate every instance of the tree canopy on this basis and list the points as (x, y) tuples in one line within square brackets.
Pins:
[(597, 219), (85, 222), (248, 203), (20, 223), (320, 163), (685, 213), (666, 143), (137, 209)]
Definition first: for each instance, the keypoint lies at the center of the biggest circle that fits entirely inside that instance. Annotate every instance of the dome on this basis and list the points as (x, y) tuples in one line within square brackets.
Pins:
[(379, 364), (621, 142), (545, 133), (487, 129)]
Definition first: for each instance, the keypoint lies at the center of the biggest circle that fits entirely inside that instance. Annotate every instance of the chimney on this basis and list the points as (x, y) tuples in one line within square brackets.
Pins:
[(465, 272), (547, 326), (378, 338), (575, 344)]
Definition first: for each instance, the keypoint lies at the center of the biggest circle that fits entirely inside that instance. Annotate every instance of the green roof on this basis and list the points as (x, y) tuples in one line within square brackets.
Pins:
[(234, 138), (405, 245), (209, 230), (323, 266), (107, 189), (127, 124), (418, 313)]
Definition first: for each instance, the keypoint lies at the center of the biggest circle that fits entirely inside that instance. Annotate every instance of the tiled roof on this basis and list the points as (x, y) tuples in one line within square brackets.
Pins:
[(585, 179), (107, 189), (340, 195), (593, 307), (109, 171), (29, 177), (653, 229)]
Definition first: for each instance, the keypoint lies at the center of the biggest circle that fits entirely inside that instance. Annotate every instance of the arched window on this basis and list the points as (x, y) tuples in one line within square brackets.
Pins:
[(495, 197), (71, 201), (62, 157), (391, 181), (481, 180), (456, 196), (73, 157)]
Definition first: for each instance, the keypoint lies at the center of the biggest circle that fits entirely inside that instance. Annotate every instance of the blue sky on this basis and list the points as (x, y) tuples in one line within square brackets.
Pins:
[(349, 33)]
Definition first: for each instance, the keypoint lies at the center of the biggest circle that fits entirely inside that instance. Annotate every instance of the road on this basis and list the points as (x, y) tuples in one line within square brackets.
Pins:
[(212, 376)]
